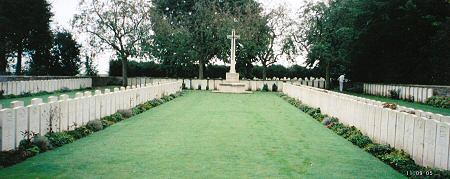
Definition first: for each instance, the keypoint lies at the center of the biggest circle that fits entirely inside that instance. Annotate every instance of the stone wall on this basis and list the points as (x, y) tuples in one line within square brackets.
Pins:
[(425, 136), (64, 113)]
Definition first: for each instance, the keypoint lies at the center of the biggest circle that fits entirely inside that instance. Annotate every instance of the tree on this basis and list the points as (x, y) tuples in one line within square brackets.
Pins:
[(90, 68), (65, 55), (194, 31), (26, 29), (120, 25), (325, 32), (272, 34)]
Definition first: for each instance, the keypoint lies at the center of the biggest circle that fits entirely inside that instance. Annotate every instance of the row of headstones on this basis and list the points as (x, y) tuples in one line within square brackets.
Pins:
[(417, 94), (35, 86), (426, 140), (252, 85), (66, 114), (417, 112), (147, 80)]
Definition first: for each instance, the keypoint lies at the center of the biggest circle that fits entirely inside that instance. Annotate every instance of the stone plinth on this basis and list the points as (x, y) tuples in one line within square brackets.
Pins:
[(232, 84), (232, 77)]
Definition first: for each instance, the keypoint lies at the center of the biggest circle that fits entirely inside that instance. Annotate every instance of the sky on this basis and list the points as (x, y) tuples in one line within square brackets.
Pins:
[(64, 10)]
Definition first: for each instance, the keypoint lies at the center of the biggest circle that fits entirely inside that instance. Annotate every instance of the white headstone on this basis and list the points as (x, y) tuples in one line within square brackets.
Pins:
[(430, 142), (442, 146), (7, 123), (419, 132)]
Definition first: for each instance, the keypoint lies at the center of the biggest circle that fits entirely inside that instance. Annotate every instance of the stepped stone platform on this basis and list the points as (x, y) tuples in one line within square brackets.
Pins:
[(232, 84)]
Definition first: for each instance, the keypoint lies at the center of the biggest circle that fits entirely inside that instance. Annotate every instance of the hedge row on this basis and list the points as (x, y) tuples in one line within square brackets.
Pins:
[(397, 159), (35, 144), (439, 101)]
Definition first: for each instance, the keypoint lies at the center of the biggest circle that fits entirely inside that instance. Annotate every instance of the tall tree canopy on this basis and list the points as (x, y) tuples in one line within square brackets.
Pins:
[(387, 41), (65, 55), (25, 29), (120, 25), (194, 31)]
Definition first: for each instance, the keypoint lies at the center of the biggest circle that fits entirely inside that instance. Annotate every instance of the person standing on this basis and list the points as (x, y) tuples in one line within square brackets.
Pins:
[(341, 82)]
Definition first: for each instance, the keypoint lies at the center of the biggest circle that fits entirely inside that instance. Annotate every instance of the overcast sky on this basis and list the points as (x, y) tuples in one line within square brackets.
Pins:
[(64, 10)]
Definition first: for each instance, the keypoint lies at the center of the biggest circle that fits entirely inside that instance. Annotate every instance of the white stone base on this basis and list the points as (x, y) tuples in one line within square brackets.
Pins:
[(232, 77), (228, 87)]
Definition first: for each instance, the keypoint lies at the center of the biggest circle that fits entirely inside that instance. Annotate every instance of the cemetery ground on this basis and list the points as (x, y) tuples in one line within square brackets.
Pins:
[(213, 135), (415, 105), (27, 100)]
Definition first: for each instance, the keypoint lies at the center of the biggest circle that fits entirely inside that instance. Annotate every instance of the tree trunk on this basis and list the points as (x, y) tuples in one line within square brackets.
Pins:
[(200, 69), (124, 71), (264, 73), (327, 76), (19, 59), (3, 62)]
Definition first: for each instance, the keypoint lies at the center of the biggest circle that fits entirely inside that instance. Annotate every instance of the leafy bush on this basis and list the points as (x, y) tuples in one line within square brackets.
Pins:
[(116, 117), (125, 113), (58, 139), (410, 99), (394, 94), (80, 132), (106, 123), (199, 87), (95, 125), (42, 143), (329, 121), (378, 150), (136, 111), (439, 101), (183, 86), (265, 88), (400, 161), (274, 87), (359, 140)]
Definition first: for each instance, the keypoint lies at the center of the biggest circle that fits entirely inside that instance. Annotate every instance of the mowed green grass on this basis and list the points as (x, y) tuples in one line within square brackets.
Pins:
[(27, 100), (210, 135), (421, 106)]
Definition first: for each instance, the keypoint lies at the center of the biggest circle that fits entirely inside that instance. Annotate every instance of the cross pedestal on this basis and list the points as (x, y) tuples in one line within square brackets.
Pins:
[(232, 84)]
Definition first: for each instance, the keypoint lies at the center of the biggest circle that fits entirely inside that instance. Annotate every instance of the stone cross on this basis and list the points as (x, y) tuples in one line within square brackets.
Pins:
[(233, 38)]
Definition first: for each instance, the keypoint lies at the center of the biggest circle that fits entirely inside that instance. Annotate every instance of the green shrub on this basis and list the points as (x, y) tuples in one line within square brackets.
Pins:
[(274, 87), (199, 87), (58, 139), (42, 143), (116, 117), (125, 113), (439, 101), (95, 125), (329, 121), (378, 150), (106, 123), (80, 132), (207, 87), (265, 88), (183, 86), (359, 140), (400, 161), (136, 111), (394, 94)]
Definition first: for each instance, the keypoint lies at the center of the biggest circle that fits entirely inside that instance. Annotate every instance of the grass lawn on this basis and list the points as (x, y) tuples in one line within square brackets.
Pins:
[(423, 107), (210, 135), (27, 100)]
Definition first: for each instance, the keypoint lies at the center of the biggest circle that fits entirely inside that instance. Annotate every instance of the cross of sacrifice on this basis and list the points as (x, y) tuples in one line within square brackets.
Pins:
[(233, 38)]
